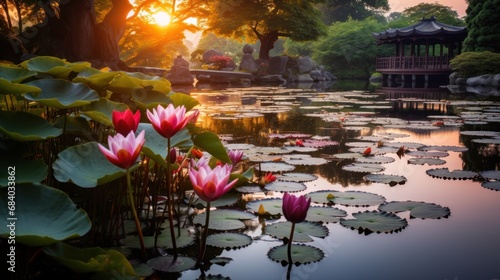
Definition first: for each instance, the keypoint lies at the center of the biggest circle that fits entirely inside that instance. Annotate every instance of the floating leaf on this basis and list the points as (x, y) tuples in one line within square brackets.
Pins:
[(482, 133), (249, 189), (23, 126), (37, 207), (303, 231), (229, 240), (444, 148), (26, 171), (272, 206), (386, 179), (72, 123), (428, 161), (427, 154), (297, 177), (62, 94), (227, 199), (224, 219), (325, 214), (185, 239), (374, 221), (492, 185), (301, 254), (303, 160), (102, 111), (417, 209), (375, 159), (492, 141), (274, 167), (171, 263), (7, 87), (280, 186), (347, 155), (15, 74), (363, 167), (490, 174), (444, 173)]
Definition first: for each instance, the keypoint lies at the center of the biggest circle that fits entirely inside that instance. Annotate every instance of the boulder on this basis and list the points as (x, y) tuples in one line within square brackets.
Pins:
[(179, 75), (495, 81), (181, 62), (483, 80), (277, 65), (305, 64), (208, 54), (248, 63), (247, 49), (317, 76), (453, 78), (304, 78)]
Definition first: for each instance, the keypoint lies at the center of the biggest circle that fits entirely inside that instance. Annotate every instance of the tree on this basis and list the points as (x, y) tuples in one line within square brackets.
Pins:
[(267, 20), (483, 26), (342, 10), (442, 13)]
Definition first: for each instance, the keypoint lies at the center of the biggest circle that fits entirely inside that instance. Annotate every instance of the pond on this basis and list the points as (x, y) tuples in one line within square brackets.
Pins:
[(449, 141)]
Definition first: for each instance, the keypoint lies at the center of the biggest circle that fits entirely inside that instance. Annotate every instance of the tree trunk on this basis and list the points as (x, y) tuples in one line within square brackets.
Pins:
[(267, 43)]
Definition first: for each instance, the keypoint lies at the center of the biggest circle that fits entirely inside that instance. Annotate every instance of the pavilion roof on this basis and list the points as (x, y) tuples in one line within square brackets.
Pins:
[(427, 27)]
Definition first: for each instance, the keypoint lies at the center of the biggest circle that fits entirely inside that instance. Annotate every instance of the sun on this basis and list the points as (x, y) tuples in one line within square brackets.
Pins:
[(161, 18)]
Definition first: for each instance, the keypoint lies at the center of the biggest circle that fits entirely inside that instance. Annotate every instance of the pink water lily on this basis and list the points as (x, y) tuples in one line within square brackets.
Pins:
[(295, 208), (126, 121), (170, 120), (210, 184), (123, 150), (235, 156)]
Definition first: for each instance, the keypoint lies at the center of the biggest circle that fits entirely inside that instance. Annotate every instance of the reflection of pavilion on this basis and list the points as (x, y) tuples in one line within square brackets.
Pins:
[(423, 52)]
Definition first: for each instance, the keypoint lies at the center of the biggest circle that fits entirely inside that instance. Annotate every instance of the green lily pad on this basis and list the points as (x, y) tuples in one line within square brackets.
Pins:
[(347, 198), (303, 160), (54, 66), (26, 171), (363, 167), (303, 231), (375, 221), (301, 254), (251, 188), (107, 264), (273, 206), (212, 144), (15, 74), (171, 264), (224, 219), (444, 173), (7, 87), (185, 239), (280, 186), (62, 94), (95, 79), (274, 167), (102, 111), (297, 177), (325, 214), (229, 240), (227, 199), (38, 206), (86, 166), (386, 179), (23, 126), (72, 123), (417, 209), (428, 161)]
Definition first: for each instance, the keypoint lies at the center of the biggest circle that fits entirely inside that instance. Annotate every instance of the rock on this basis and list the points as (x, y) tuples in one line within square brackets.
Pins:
[(271, 79), (248, 63), (461, 81), (304, 78), (317, 76), (181, 62), (453, 78), (247, 49), (305, 64), (179, 75), (495, 82), (277, 65), (483, 80), (329, 76), (208, 54)]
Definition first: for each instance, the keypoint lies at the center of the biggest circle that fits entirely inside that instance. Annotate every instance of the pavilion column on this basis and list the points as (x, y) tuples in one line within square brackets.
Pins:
[(426, 54)]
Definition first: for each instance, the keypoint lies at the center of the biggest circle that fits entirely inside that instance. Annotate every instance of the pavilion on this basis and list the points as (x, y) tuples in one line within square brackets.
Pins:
[(422, 54)]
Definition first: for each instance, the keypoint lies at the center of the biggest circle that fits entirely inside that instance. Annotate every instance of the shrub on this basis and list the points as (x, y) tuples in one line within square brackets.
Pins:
[(470, 64)]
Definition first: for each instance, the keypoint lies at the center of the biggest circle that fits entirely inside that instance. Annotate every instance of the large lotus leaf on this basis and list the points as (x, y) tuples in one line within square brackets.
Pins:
[(102, 111), (107, 264), (492, 185), (303, 231), (72, 123), (156, 145), (62, 94), (15, 74), (324, 214), (363, 167), (137, 83), (417, 209), (185, 238), (224, 219), (86, 166), (25, 171), (274, 167), (386, 179), (23, 126), (297, 177), (429, 161), (7, 87), (150, 99), (43, 215), (229, 240), (280, 186), (444, 173), (171, 263), (375, 221), (179, 99), (211, 143), (55, 66), (301, 254), (96, 80), (148, 81), (272, 206), (490, 174)]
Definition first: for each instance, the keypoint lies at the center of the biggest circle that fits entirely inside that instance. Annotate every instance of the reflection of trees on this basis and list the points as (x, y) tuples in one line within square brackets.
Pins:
[(480, 157), (333, 172)]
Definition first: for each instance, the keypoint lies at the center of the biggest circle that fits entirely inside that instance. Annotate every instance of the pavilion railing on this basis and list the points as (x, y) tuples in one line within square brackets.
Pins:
[(413, 63)]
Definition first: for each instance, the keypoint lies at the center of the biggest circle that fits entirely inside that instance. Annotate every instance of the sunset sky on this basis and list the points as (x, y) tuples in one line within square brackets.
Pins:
[(457, 5)]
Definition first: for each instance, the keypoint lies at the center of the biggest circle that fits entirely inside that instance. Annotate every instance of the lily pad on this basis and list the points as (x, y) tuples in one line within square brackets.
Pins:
[(492, 185), (417, 209), (23, 126), (375, 221), (229, 240), (444, 148), (303, 160), (72, 123), (363, 167), (273, 206), (7, 87), (347, 155), (490, 174), (325, 214), (301, 254), (172, 264), (427, 154), (297, 177), (492, 141), (375, 159), (38, 206), (26, 171), (102, 111), (386, 179), (274, 167), (444, 173), (428, 161), (227, 199), (62, 94), (347, 198), (15, 74), (280, 186), (224, 219), (303, 231), (251, 188), (483, 133), (185, 238)]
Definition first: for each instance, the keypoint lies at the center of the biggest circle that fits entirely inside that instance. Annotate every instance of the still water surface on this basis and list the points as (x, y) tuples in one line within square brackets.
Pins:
[(465, 245)]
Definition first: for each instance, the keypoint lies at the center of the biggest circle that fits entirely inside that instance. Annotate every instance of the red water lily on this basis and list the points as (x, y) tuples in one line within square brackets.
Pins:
[(123, 150), (367, 152), (295, 208), (170, 120), (268, 178), (210, 184), (126, 121)]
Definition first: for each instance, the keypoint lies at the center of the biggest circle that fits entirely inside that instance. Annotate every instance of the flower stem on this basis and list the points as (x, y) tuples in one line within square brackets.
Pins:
[(134, 213), (290, 244), (203, 244), (170, 200)]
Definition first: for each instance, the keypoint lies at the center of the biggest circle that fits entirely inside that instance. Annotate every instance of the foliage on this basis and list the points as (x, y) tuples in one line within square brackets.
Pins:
[(470, 64), (336, 10), (349, 49), (483, 25), (442, 13)]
